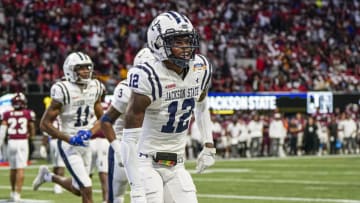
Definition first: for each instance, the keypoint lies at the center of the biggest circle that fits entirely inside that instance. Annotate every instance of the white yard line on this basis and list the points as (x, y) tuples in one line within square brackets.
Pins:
[(280, 181), (240, 197), (269, 198)]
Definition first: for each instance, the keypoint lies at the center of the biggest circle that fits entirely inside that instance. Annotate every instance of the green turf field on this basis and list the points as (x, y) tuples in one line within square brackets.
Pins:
[(295, 179)]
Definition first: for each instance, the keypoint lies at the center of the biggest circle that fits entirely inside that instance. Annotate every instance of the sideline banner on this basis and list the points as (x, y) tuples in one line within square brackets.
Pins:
[(286, 102), (227, 103)]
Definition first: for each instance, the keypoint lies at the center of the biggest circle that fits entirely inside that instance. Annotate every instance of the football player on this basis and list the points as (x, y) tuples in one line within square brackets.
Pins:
[(99, 146), (73, 100), (55, 157), (165, 92), (115, 114), (19, 125)]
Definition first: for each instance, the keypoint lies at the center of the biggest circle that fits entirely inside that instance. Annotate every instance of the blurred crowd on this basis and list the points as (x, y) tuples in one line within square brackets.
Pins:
[(258, 134), (270, 45)]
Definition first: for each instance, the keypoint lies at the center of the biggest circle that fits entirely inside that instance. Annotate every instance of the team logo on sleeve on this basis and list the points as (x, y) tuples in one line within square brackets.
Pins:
[(199, 66)]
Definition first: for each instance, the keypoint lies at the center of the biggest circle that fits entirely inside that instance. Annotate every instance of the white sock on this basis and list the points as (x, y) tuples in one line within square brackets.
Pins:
[(48, 177), (16, 196)]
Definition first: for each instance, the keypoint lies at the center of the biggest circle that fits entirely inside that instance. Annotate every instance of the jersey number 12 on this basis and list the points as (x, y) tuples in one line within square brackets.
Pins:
[(188, 104)]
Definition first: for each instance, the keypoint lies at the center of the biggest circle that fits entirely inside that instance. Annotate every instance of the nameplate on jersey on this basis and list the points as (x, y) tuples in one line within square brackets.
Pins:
[(165, 158), (182, 93)]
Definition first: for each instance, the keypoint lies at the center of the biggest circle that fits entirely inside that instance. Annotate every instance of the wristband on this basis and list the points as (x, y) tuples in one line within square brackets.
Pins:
[(105, 118)]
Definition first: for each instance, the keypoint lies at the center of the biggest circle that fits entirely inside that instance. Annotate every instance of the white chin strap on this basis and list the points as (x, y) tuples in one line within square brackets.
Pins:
[(83, 81)]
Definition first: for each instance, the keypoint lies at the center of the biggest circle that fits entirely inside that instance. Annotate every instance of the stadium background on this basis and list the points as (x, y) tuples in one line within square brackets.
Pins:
[(291, 48), (255, 46)]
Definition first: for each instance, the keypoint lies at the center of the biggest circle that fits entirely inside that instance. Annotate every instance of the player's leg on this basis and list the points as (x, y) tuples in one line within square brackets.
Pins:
[(58, 164), (80, 183), (117, 180), (180, 187), (152, 181), (19, 179), (44, 175), (93, 148), (18, 153), (86, 189), (102, 165)]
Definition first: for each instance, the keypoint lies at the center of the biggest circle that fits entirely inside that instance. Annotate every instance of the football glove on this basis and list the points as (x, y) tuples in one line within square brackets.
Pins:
[(84, 134), (115, 144), (81, 138), (205, 159)]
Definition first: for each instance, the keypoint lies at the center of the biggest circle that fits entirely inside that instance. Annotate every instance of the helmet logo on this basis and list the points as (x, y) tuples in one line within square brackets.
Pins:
[(157, 26), (184, 26)]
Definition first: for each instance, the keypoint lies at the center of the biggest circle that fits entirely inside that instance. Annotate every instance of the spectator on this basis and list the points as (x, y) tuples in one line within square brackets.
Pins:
[(310, 137), (293, 135), (277, 134), (333, 135), (255, 127)]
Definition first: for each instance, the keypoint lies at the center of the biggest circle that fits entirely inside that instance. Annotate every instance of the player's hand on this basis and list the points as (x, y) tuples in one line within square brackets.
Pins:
[(78, 141), (43, 153), (115, 145), (205, 159), (81, 138), (84, 134)]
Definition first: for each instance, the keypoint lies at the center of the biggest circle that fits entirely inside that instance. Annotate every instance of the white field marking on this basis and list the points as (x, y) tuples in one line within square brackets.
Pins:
[(243, 197), (26, 201), (340, 156), (316, 188), (312, 166), (317, 173), (269, 198), (248, 170), (223, 170), (288, 181), (50, 189)]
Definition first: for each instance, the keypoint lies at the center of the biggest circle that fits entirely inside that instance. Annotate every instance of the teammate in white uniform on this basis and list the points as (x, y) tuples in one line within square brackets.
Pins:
[(99, 146), (115, 114), (165, 91), (19, 125), (73, 100), (51, 142), (55, 157)]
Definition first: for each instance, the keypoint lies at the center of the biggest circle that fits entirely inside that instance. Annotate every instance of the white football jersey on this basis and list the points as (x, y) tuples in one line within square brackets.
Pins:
[(78, 104), (172, 102), (120, 101)]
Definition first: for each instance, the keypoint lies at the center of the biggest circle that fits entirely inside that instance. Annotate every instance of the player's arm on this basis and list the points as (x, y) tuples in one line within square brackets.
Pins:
[(202, 118), (31, 125), (107, 121), (32, 129), (98, 113), (206, 157), (133, 121), (135, 112), (3, 130), (46, 123)]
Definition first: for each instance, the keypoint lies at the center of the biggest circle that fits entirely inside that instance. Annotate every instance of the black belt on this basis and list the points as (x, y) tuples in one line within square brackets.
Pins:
[(160, 157)]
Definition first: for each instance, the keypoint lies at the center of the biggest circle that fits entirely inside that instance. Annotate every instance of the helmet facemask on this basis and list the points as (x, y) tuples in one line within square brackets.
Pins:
[(188, 41), (19, 101), (78, 78)]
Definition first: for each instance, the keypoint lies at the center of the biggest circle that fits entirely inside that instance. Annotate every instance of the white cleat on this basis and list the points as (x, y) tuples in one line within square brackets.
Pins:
[(15, 197), (40, 178), (58, 189)]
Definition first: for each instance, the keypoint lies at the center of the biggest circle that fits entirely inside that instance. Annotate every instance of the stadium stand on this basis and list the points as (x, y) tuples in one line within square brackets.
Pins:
[(255, 46), (272, 45)]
